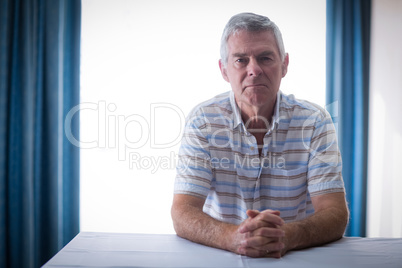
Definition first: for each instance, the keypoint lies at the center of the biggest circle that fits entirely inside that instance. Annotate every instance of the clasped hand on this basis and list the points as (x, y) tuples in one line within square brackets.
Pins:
[(261, 235)]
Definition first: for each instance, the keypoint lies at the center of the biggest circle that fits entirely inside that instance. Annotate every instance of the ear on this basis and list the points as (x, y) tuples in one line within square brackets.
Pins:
[(285, 64), (223, 71)]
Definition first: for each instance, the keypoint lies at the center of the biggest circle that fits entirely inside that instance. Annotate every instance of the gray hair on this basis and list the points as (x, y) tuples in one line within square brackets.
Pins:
[(252, 23)]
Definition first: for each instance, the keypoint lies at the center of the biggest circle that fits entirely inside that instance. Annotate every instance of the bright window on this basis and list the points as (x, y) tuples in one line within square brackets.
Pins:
[(145, 64)]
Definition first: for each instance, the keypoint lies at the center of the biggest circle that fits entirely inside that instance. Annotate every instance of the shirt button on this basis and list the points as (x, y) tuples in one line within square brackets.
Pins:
[(252, 148)]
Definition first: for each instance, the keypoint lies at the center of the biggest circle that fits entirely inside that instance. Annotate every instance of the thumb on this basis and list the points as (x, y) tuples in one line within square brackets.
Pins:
[(251, 213), (275, 212)]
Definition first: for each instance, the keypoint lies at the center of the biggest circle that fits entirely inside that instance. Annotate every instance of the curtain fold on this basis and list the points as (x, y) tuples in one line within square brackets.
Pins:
[(348, 58), (39, 167)]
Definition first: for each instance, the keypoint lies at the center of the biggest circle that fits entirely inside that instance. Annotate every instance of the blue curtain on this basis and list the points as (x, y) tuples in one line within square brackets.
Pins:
[(39, 167), (348, 51)]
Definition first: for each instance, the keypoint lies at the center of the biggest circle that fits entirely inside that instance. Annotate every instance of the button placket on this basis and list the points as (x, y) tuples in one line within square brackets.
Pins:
[(267, 140)]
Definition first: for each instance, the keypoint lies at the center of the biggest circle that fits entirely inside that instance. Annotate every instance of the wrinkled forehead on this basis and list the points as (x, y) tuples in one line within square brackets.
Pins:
[(246, 41)]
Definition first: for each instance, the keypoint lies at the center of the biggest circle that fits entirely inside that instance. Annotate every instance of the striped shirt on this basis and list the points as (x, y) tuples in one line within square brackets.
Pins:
[(220, 162)]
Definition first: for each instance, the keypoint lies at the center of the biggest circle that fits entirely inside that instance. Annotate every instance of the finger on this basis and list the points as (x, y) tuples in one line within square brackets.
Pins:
[(275, 212), (259, 242), (252, 213), (261, 220), (252, 252), (268, 217), (273, 247), (256, 253), (269, 212), (268, 232), (275, 254)]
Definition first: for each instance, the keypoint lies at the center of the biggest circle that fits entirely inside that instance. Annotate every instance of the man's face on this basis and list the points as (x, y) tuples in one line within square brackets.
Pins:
[(254, 68)]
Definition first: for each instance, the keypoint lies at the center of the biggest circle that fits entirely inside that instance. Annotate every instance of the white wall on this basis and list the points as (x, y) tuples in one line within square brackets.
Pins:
[(385, 134), (138, 53)]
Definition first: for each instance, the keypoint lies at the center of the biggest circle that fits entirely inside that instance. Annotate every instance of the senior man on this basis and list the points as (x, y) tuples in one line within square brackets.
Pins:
[(259, 172)]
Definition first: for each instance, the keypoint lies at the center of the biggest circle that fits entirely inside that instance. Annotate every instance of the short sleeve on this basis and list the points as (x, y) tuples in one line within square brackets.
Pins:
[(193, 170), (325, 162)]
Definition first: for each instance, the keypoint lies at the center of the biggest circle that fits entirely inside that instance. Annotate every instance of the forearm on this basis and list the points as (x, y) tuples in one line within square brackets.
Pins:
[(193, 224), (323, 227)]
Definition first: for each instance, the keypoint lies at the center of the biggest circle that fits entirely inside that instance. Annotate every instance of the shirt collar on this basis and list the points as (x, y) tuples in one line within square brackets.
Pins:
[(275, 117), (237, 116)]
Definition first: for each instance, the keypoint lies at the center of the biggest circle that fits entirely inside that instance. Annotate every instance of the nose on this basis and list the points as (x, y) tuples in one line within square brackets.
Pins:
[(253, 68)]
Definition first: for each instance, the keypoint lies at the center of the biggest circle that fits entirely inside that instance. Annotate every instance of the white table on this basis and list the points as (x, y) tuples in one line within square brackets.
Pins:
[(153, 250)]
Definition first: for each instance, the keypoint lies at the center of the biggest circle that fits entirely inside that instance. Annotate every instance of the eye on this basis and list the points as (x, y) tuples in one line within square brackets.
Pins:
[(241, 61), (266, 59)]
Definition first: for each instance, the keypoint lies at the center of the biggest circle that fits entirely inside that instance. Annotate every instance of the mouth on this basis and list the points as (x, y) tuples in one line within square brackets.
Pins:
[(256, 85)]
